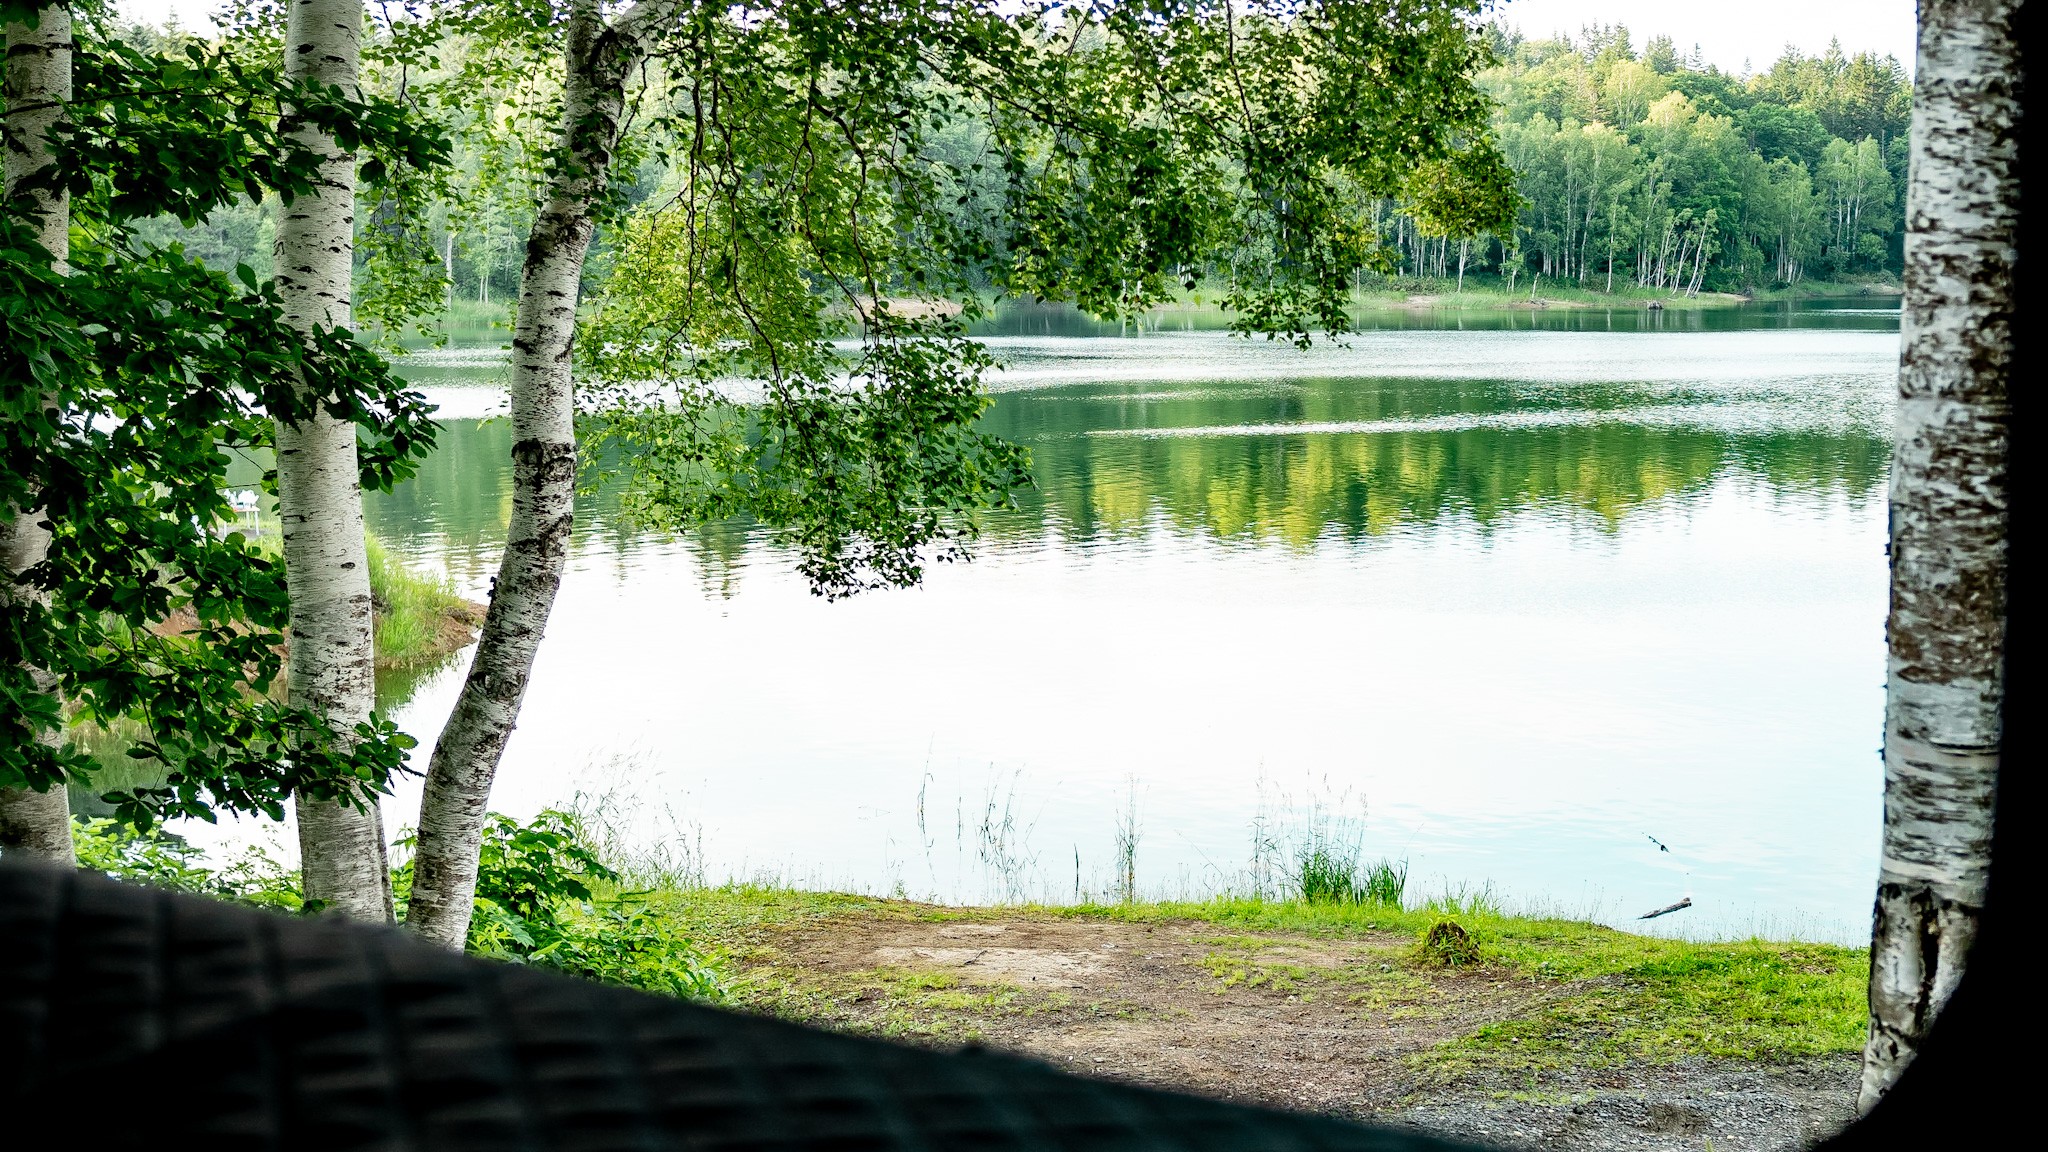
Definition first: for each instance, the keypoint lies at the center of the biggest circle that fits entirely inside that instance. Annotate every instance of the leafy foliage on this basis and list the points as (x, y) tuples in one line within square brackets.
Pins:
[(124, 383), (160, 859), (840, 186), (544, 897), (1625, 153)]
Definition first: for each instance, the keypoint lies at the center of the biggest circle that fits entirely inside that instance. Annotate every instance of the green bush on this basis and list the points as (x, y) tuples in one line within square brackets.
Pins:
[(165, 860), (543, 897)]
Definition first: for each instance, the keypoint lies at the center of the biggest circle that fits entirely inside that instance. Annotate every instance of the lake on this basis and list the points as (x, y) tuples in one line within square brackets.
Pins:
[(1585, 607)]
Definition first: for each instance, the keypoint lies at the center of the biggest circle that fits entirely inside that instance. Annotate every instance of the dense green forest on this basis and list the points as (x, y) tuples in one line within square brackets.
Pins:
[(1646, 167), (1639, 167)]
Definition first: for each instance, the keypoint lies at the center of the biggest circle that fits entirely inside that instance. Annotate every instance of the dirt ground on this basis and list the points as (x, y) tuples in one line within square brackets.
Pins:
[(1345, 1026)]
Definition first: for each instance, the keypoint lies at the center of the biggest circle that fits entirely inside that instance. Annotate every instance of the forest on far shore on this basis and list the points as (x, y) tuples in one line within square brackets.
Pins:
[(1643, 166), (1639, 167)]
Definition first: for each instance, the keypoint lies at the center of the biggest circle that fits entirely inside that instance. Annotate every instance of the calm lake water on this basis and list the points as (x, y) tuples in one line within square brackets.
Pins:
[(1526, 590)]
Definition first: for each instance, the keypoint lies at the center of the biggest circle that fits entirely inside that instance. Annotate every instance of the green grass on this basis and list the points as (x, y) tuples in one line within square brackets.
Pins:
[(1612, 997), (1591, 996), (1751, 1000), (411, 609), (1550, 993), (408, 607)]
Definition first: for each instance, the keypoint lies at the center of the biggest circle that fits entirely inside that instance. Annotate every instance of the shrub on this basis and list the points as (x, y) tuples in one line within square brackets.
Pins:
[(164, 859), (543, 897)]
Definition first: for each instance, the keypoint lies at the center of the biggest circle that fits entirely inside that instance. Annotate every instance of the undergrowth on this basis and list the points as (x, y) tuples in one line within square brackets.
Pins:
[(543, 898)]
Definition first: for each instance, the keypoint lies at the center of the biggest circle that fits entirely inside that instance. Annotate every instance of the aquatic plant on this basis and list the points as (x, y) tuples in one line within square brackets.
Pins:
[(1003, 843), (1127, 830)]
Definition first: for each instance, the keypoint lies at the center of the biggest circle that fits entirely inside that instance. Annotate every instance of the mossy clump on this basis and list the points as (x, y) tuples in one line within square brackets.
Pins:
[(1447, 945)]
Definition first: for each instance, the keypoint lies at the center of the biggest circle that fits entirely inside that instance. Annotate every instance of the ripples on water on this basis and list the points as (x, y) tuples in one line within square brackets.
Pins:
[(1532, 595)]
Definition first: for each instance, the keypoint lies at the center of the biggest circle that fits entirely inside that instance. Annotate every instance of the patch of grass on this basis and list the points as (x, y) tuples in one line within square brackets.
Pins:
[(1242, 971), (1607, 997), (414, 611), (1590, 996), (888, 1001), (739, 920), (1249, 913), (1748, 1001)]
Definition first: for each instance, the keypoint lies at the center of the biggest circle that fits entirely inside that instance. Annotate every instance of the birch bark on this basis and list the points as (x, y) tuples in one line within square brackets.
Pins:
[(596, 61), (1948, 512), (38, 86), (341, 846)]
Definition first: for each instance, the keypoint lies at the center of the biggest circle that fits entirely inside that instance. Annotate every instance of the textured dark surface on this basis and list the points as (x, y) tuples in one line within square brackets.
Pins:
[(141, 1017)]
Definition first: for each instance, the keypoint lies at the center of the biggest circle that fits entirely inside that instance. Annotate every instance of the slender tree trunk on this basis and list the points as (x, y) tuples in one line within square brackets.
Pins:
[(1948, 514), (319, 494), (38, 86), (596, 60)]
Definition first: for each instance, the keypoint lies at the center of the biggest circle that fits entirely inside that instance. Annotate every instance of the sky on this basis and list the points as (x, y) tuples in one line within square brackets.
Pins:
[(1728, 32)]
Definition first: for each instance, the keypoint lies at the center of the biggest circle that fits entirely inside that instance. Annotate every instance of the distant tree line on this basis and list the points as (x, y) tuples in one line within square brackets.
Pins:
[(1637, 167), (1648, 168)]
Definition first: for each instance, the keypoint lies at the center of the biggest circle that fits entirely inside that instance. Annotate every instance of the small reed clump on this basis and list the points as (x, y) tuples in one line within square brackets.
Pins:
[(1327, 876)]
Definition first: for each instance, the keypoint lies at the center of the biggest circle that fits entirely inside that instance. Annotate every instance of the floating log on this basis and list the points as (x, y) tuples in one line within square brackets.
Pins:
[(1667, 910)]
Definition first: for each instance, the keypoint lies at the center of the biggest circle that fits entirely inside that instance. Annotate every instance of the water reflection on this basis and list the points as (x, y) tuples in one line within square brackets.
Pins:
[(1596, 426), (1530, 593)]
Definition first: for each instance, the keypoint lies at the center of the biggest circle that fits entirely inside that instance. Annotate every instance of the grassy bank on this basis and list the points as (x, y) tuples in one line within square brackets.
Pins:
[(1494, 295), (418, 617), (1478, 295), (1444, 992), (1568, 993), (469, 323)]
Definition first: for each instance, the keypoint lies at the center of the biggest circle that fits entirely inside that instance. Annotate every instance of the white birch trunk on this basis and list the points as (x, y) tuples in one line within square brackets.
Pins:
[(319, 496), (596, 60), (1948, 511), (38, 86)]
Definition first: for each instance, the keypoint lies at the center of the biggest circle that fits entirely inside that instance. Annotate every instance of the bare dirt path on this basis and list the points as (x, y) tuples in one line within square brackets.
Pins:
[(1349, 1026)]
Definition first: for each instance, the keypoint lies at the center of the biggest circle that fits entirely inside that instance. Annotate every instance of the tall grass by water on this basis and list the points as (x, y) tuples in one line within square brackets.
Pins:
[(415, 611)]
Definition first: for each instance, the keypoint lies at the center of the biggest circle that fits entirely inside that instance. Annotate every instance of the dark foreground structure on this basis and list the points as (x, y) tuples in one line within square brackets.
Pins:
[(144, 1019), (150, 1019)]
